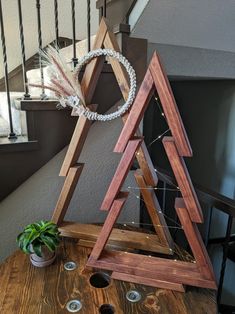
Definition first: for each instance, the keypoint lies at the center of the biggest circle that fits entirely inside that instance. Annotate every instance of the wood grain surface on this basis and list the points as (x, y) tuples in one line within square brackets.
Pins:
[(169, 106), (121, 173), (120, 237), (25, 289), (183, 179)]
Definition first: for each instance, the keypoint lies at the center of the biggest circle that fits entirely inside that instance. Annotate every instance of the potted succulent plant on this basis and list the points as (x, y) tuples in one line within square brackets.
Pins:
[(40, 240)]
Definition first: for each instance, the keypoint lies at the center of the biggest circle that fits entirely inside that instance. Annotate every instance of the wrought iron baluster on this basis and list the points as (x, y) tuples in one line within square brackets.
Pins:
[(11, 135), (26, 88), (56, 23), (224, 259), (88, 25), (208, 226), (74, 59), (38, 6), (105, 8)]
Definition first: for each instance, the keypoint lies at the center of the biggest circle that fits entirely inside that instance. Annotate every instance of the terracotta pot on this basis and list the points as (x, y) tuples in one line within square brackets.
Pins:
[(47, 258)]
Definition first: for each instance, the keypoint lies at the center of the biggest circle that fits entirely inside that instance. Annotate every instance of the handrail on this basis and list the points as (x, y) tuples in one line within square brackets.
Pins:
[(130, 10), (211, 198)]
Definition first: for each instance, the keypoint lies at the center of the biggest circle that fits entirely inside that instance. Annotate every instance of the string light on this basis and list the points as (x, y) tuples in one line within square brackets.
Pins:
[(166, 178), (153, 188), (159, 107), (150, 205), (159, 137)]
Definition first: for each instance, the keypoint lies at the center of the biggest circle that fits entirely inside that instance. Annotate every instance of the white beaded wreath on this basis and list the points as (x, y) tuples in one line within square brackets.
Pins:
[(75, 102)]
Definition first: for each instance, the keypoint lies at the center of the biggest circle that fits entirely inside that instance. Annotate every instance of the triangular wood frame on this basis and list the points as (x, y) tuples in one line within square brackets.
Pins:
[(155, 271), (161, 242)]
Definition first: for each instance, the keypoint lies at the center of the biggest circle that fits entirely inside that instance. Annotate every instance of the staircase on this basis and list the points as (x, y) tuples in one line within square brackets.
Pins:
[(38, 123)]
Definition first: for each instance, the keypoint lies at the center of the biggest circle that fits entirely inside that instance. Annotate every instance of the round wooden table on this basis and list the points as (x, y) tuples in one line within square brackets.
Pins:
[(25, 289)]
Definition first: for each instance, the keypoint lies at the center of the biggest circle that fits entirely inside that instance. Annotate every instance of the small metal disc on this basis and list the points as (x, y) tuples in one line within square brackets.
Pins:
[(70, 265), (133, 296), (74, 306)]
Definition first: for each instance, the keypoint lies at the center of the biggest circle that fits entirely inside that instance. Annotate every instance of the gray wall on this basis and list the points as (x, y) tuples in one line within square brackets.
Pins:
[(207, 24), (190, 62), (36, 198)]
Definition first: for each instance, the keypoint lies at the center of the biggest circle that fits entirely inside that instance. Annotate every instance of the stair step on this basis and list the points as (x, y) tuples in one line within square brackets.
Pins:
[(21, 143)]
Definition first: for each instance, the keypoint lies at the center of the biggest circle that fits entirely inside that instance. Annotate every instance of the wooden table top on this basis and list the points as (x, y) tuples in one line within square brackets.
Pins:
[(25, 289)]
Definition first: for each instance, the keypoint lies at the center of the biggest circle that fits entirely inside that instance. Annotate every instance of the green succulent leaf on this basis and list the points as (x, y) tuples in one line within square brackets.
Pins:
[(49, 242), (37, 234), (37, 248)]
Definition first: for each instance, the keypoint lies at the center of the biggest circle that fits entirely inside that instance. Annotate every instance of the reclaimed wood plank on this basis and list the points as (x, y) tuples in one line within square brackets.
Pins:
[(169, 106), (148, 281), (66, 193), (121, 173), (152, 267), (183, 179), (119, 237)]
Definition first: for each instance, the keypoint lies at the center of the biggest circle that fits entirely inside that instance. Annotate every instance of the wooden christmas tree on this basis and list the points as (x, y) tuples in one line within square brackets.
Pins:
[(71, 168), (155, 271)]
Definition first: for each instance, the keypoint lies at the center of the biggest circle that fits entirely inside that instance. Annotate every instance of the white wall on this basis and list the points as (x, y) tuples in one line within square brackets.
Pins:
[(36, 198), (10, 12)]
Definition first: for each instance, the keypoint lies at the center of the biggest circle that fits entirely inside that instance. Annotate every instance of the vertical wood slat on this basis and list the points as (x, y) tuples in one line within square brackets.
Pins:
[(121, 173), (108, 225), (183, 179), (76, 144), (169, 106), (154, 211), (136, 113), (66, 193), (195, 241)]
